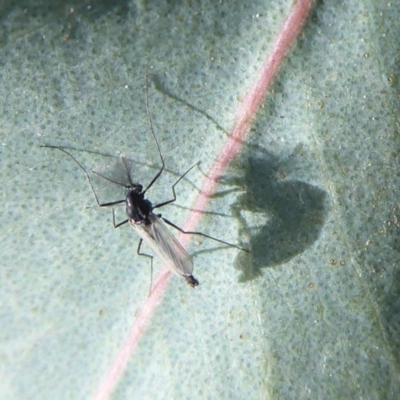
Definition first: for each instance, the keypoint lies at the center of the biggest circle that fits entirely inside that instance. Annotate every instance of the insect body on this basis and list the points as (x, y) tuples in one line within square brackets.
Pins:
[(155, 234), (150, 226)]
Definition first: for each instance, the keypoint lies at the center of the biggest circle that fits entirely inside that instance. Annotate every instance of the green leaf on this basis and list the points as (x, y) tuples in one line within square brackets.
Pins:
[(313, 312)]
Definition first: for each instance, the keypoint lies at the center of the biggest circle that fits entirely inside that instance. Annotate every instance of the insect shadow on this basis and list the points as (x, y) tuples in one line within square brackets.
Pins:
[(292, 212), (295, 210), (150, 227)]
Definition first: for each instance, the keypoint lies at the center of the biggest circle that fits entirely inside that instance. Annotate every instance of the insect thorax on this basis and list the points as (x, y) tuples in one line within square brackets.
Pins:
[(137, 207)]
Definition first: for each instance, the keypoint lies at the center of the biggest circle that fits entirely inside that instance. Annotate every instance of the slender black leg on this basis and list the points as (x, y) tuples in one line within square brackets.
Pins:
[(102, 205), (113, 203), (139, 253), (119, 223), (202, 234), (173, 189)]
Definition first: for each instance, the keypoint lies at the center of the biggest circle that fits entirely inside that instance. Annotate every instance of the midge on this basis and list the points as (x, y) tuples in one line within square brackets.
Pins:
[(150, 226)]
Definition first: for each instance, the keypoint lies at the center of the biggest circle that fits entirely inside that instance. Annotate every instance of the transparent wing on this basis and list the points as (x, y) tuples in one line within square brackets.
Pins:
[(165, 245)]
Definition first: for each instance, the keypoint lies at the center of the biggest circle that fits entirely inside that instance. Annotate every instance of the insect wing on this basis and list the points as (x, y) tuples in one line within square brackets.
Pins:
[(165, 245)]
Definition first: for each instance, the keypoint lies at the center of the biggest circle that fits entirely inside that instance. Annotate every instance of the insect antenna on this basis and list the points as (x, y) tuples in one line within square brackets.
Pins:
[(128, 173)]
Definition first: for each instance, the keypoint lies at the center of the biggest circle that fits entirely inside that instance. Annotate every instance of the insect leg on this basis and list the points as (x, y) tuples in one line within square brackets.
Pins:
[(119, 223), (139, 253), (112, 203), (102, 205), (202, 234), (173, 189)]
